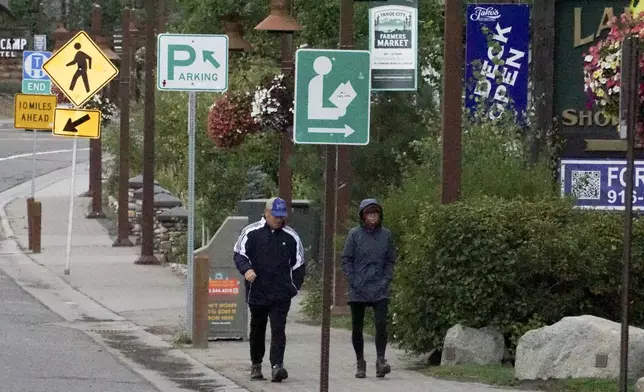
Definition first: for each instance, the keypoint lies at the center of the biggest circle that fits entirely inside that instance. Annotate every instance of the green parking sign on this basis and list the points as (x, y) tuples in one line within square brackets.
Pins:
[(332, 97)]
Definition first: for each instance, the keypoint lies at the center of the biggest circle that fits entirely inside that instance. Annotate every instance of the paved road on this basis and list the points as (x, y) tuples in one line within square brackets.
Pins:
[(16, 153), (41, 354)]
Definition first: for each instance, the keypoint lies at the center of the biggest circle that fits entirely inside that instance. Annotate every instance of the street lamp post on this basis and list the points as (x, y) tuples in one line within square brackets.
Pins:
[(147, 219), (123, 235), (280, 21)]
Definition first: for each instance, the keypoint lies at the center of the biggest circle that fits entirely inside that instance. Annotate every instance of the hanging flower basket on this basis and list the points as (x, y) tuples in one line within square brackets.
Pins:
[(107, 108), (602, 69), (229, 119), (272, 105)]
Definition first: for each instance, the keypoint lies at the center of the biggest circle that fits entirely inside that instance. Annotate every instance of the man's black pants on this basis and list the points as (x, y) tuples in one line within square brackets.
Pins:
[(380, 310), (259, 316)]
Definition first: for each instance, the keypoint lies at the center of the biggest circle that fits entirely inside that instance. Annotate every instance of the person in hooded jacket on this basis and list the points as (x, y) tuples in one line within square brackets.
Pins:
[(368, 262)]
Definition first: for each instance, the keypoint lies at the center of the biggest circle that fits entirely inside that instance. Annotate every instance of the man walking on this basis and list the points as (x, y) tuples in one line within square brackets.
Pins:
[(368, 262), (270, 256)]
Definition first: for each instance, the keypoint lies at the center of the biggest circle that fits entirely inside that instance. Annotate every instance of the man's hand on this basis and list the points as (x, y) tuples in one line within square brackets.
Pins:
[(250, 275)]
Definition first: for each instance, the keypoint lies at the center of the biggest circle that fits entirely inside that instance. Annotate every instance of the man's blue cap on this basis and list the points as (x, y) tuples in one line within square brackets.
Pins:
[(277, 206)]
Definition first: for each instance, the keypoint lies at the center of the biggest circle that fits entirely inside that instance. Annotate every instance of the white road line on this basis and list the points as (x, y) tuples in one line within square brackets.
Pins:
[(39, 153)]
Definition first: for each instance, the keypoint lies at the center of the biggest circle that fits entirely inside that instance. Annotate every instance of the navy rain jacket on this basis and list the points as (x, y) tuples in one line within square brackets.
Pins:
[(368, 260), (276, 256)]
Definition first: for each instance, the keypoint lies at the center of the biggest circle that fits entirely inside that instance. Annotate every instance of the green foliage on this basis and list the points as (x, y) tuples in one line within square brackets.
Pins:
[(512, 264), (397, 118), (218, 172)]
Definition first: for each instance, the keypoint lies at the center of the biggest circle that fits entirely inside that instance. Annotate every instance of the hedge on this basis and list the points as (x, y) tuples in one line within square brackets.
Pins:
[(513, 264)]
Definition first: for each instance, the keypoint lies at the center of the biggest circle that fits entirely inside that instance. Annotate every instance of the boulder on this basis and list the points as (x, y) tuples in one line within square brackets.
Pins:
[(578, 347), (639, 387), (465, 345)]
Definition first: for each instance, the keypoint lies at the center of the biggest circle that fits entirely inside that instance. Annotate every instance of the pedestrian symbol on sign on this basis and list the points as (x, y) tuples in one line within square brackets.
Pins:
[(83, 62)]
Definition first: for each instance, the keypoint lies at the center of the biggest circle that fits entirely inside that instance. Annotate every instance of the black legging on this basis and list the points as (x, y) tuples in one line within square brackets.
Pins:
[(380, 310)]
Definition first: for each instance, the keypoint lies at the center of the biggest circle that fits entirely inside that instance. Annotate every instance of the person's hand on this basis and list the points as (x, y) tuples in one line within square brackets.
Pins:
[(250, 275)]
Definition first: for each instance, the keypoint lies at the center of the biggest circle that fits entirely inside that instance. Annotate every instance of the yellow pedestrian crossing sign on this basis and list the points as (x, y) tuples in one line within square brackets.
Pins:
[(80, 69)]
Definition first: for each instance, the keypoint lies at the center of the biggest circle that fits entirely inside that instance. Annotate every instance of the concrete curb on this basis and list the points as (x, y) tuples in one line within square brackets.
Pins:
[(79, 310)]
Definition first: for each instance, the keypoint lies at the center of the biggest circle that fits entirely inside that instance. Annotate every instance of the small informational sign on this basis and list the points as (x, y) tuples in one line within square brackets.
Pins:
[(601, 184), (393, 43), (40, 42), (34, 78), (34, 111), (496, 58), (226, 305)]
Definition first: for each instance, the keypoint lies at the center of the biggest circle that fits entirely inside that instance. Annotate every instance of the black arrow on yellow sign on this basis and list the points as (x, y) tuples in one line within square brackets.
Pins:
[(71, 125)]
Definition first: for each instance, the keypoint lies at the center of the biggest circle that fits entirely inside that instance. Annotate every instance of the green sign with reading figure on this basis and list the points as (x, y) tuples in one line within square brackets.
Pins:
[(332, 97)]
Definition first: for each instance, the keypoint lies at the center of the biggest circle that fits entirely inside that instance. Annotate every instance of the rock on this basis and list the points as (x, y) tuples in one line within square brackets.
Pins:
[(137, 228), (639, 386), (569, 349), (138, 194), (483, 346), (136, 182), (173, 214)]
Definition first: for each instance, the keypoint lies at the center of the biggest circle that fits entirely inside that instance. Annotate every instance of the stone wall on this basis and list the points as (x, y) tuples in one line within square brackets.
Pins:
[(171, 219)]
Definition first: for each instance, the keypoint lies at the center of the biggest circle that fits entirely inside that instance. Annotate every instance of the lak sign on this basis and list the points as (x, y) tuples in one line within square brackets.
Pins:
[(188, 62)]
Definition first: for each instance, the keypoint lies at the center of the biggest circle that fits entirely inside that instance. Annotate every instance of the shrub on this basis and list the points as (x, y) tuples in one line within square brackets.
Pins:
[(509, 264)]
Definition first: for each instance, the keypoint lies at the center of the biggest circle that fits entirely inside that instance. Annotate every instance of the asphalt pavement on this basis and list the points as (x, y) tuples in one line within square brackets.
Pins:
[(16, 154), (40, 353)]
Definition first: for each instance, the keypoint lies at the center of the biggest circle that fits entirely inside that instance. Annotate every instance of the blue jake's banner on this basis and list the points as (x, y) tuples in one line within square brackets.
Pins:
[(496, 58)]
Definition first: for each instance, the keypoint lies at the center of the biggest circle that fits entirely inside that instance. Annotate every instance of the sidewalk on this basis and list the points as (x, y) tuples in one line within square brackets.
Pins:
[(153, 297)]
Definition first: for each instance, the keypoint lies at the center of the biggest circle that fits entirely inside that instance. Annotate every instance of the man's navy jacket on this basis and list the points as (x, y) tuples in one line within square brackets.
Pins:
[(276, 256)]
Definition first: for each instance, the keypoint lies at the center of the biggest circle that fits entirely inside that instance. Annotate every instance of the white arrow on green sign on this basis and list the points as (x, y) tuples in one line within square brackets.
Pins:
[(332, 97), (192, 62)]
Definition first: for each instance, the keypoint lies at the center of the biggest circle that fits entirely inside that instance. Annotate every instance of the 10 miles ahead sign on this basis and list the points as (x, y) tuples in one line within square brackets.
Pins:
[(188, 62)]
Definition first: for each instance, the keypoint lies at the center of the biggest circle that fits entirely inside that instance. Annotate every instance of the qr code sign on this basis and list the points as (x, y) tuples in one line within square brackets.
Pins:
[(586, 184)]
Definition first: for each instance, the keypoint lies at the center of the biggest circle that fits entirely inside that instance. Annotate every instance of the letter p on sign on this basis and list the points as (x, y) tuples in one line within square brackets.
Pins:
[(173, 61)]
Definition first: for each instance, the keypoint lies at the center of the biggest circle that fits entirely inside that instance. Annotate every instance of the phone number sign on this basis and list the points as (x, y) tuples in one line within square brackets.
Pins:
[(223, 287), (601, 184)]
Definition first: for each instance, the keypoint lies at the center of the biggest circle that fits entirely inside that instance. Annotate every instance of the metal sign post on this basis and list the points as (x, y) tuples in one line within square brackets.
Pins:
[(345, 73), (192, 62), (192, 109), (70, 216), (629, 110), (85, 123)]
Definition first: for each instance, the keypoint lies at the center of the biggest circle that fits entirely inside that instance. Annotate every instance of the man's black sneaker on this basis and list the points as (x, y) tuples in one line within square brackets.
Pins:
[(279, 373), (382, 368), (361, 371), (256, 372)]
